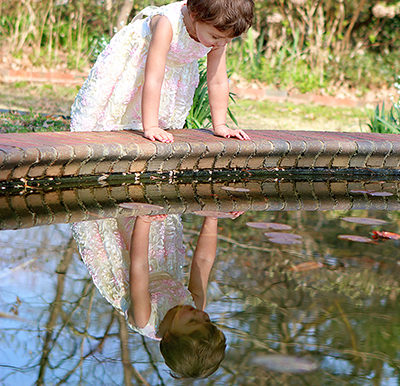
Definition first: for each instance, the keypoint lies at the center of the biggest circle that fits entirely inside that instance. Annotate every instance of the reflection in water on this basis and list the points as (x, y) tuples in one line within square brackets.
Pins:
[(339, 308), (137, 265), (66, 202)]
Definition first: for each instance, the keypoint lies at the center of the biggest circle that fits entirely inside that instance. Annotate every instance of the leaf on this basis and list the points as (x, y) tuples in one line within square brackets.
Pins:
[(380, 194), (364, 221), (268, 225), (372, 193), (384, 235), (359, 239), (286, 363), (139, 206), (283, 238), (361, 191), (279, 234), (307, 266), (233, 189)]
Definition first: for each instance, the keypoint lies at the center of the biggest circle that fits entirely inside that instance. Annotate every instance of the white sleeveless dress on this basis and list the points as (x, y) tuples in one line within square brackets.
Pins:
[(110, 98), (104, 247)]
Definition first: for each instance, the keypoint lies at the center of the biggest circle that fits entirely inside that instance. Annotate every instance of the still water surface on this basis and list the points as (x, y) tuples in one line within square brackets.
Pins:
[(321, 311)]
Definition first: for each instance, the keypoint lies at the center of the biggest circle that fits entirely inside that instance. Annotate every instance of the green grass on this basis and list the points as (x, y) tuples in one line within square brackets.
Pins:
[(42, 100), (289, 116), (46, 99), (15, 122)]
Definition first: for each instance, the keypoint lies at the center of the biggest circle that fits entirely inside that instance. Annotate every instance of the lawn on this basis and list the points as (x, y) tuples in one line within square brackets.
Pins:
[(49, 105)]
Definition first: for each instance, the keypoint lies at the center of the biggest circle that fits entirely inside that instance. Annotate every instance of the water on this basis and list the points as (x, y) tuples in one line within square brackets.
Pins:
[(323, 311)]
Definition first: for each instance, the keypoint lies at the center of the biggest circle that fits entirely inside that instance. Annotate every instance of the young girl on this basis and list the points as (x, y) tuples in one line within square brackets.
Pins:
[(136, 263), (146, 77)]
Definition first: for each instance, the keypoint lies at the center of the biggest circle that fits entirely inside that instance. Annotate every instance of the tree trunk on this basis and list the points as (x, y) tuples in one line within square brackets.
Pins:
[(124, 14)]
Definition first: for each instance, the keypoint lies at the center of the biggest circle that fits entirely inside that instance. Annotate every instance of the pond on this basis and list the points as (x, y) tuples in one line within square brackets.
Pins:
[(318, 307)]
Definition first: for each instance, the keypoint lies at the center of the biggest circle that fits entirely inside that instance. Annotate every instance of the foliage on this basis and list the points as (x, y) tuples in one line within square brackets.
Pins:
[(200, 114), (299, 44), (307, 45), (382, 121)]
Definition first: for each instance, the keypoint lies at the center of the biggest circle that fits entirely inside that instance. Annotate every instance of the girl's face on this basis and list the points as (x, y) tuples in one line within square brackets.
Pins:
[(188, 319), (209, 36)]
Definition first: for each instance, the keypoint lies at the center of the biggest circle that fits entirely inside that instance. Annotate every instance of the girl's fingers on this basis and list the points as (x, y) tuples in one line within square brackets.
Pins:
[(160, 217), (242, 135), (236, 214), (165, 138)]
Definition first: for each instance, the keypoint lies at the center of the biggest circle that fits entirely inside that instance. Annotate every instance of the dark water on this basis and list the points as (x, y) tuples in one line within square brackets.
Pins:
[(321, 312)]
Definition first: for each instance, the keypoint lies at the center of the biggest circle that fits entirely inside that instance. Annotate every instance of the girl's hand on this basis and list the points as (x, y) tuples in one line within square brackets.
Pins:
[(236, 214), (226, 132), (157, 134), (154, 217)]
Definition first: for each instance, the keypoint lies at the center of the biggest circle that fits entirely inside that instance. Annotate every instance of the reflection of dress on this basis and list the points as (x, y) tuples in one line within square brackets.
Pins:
[(104, 246), (110, 98)]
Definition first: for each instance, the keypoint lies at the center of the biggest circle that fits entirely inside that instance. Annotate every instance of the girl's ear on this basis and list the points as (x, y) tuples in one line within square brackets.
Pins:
[(167, 337)]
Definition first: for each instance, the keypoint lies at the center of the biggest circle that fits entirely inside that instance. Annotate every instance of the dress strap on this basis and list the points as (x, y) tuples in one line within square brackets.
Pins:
[(144, 12)]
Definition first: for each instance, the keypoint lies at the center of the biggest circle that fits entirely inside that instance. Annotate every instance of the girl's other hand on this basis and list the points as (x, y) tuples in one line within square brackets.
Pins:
[(157, 134), (155, 217), (236, 214), (226, 132)]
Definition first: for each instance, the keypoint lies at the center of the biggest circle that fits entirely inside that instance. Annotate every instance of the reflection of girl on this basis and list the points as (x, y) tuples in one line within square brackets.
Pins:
[(154, 300)]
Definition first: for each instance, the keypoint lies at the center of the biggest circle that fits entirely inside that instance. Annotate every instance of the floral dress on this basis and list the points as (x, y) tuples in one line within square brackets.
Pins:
[(104, 247), (110, 98)]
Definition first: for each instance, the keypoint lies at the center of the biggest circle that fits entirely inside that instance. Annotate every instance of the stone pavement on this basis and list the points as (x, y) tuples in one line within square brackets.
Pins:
[(63, 154)]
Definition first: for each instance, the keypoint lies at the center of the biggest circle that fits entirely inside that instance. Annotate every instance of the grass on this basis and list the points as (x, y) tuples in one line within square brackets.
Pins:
[(45, 102), (47, 99), (15, 122), (259, 115)]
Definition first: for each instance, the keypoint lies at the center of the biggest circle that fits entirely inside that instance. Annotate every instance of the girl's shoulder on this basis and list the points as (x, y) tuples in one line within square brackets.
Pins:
[(173, 12), (149, 330)]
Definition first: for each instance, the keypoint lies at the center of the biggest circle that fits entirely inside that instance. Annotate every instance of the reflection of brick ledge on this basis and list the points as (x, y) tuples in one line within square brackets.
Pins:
[(66, 78)]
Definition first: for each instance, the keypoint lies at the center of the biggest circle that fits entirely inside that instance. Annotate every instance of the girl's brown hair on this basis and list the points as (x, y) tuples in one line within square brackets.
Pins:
[(195, 355), (234, 16)]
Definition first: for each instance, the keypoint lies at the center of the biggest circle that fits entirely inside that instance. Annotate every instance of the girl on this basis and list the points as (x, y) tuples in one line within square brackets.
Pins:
[(146, 77), (136, 263)]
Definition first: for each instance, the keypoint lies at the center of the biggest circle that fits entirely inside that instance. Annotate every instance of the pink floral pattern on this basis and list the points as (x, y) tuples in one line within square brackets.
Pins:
[(104, 246), (110, 98)]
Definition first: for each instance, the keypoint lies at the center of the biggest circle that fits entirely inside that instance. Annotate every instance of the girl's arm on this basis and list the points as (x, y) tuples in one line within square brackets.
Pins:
[(218, 91), (154, 76), (203, 261), (139, 273)]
